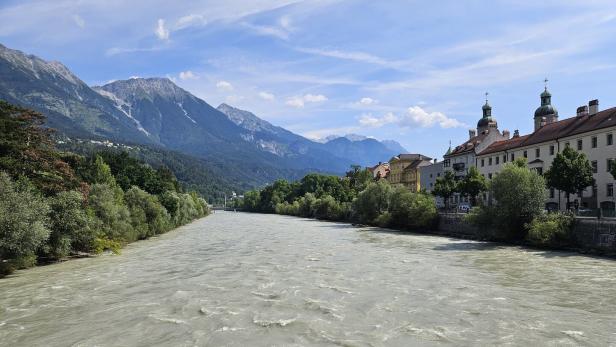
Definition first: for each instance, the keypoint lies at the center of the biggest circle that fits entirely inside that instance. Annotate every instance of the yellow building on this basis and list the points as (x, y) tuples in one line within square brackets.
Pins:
[(404, 170)]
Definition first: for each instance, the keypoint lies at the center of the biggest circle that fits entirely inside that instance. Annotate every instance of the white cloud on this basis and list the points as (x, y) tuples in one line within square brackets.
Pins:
[(232, 99), (300, 101), (188, 75), (190, 20), (224, 86), (415, 116), (267, 96), (161, 32), (367, 101), (79, 21)]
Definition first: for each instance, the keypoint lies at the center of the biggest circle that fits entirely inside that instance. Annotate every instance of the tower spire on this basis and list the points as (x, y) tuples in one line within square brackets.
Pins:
[(545, 81)]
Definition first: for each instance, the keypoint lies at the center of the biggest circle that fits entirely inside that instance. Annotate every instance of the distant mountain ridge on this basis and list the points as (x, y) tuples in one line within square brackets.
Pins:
[(156, 112)]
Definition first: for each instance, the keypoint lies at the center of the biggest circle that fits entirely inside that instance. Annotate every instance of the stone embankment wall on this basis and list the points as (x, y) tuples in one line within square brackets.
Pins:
[(588, 233)]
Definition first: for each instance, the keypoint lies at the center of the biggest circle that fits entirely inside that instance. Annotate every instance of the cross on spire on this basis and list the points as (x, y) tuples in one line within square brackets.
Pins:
[(487, 97), (545, 81)]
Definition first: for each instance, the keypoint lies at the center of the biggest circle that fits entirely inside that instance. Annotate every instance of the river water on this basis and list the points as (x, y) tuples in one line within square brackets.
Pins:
[(238, 279)]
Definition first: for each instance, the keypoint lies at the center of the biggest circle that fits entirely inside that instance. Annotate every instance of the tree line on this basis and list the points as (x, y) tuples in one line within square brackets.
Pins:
[(56, 204), (356, 198)]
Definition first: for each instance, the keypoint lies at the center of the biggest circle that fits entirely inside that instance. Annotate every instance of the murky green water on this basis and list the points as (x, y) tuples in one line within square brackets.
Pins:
[(237, 279)]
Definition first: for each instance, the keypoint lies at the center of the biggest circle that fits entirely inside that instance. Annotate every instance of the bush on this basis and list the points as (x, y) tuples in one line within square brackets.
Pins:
[(383, 220), (411, 210), (148, 216), (24, 224), (288, 209), (327, 208), (372, 202), (550, 229), (306, 205), (70, 226), (520, 198), (110, 218)]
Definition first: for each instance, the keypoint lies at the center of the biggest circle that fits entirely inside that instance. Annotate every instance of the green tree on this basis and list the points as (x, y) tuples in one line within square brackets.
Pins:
[(252, 200), (27, 149), (520, 197), (23, 224), (358, 178), (101, 172), (445, 187), (372, 202), (473, 184), (70, 226), (570, 172), (411, 210)]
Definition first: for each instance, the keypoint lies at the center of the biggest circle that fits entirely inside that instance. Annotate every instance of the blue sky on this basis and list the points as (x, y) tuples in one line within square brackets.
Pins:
[(412, 71)]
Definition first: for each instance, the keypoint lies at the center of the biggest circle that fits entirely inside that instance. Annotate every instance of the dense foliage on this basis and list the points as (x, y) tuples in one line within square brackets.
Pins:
[(473, 184), (570, 172), (445, 187), (551, 229), (55, 204), (519, 197), (353, 198)]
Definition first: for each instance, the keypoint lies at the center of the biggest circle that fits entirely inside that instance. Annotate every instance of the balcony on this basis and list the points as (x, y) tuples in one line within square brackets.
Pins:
[(458, 166)]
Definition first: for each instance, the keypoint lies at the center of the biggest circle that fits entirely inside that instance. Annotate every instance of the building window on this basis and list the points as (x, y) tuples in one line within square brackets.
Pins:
[(497, 160), (579, 145), (490, 176), (567, 144), (594, 166), (483, 162), (552, 150), (593, 142), (594, 190), (537, 152), (505, 158), (610, 189), (609, 164), (539, 170), (446, 163), (525, 154), (430, 175), (609, 139), (552, 193), (490, 161), (512, 157)]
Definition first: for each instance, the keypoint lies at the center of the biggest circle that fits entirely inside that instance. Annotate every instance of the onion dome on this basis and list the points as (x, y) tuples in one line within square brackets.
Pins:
[(546, 109), (487, 119)]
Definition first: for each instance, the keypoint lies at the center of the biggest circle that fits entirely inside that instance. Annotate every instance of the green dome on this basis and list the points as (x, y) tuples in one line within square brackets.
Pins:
[(546, 110)]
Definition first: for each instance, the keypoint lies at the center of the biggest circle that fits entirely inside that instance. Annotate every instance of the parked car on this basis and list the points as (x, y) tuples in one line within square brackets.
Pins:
[(464, 208)]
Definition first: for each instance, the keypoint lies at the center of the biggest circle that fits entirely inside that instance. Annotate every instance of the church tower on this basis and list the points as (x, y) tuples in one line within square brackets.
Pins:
[(546, 113), (486, 122)]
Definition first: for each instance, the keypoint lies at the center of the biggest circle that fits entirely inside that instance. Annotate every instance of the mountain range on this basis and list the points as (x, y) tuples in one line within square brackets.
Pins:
[(156, 112)]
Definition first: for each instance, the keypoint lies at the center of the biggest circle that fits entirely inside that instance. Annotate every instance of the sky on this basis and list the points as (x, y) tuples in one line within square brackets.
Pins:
[(412, 71)]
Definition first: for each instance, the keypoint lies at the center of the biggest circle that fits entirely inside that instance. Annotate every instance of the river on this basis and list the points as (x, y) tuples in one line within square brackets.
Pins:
[(239, 279)]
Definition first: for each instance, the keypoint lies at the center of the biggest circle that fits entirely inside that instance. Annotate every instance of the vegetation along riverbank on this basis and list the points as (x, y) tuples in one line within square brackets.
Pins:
[(516, 215), (56, 204)]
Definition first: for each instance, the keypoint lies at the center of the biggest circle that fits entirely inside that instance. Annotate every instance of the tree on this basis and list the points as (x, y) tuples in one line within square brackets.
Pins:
[(23, 224), (520, 197), (372, 202), (411, 210), (570, 172), (445, 187), (69, 226), (358, 178), (27, 149), (473, 184)]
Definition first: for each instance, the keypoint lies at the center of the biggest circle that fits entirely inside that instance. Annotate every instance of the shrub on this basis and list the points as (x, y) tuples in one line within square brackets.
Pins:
[(383, 220), (372, 202), (70, 226), (110, 217), (148, 216), (411, 210), (327, 208), (520, 197), (550, 229), (306, 205), (24, 224)]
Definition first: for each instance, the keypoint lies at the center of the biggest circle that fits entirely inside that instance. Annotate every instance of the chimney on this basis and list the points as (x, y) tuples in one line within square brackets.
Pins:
[(582, 111), (472, 133), (506, 134), (435, 160), (516, 133), (593, 107)]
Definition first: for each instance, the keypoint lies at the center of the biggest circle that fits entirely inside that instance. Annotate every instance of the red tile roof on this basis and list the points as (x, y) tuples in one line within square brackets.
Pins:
[(557, 130), (467, 146)]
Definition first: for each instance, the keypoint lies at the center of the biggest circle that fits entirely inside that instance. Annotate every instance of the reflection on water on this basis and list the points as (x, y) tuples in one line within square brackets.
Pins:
[(244, 279)]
